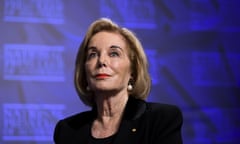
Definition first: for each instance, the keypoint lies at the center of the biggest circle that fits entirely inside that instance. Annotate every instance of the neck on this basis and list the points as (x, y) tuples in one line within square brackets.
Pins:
[(110, 110), (109, 105)]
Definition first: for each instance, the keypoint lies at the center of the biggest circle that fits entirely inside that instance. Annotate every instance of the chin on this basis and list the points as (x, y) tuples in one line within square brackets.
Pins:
[(104, 89)]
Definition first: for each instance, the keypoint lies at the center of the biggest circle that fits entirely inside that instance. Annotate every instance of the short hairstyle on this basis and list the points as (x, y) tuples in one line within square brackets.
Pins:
[(140, 78)]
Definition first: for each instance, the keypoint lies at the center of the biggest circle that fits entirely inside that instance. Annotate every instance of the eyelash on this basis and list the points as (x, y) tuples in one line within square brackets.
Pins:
[(94, 54)]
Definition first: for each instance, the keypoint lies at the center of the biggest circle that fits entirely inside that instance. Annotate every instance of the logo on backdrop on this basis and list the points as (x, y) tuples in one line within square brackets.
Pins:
[(30, 122), (33, 62), (36, 11)]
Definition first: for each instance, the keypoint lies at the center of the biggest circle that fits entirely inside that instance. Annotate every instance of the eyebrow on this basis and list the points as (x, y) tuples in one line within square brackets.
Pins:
[(91, 48), (116, 47), (111, 47)]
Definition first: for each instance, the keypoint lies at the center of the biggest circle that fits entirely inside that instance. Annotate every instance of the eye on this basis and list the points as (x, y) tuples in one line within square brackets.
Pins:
[(114, 54), (91, 55)]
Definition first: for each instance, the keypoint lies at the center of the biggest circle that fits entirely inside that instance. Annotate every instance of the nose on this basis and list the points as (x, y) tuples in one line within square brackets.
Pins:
[(102, 62)]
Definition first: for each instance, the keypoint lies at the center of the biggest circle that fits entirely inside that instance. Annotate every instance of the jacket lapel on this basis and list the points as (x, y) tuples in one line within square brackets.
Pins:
[(128, 130), (84, 134)]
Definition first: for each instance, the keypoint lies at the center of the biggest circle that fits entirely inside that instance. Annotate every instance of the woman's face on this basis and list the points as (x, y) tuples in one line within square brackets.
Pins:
[(107, 64)]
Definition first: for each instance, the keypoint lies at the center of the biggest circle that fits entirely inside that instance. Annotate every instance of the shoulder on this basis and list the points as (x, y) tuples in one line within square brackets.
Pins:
[(68, 129), (77, 120), (164, 122), (162, 108), (137, 108), (164, 112)]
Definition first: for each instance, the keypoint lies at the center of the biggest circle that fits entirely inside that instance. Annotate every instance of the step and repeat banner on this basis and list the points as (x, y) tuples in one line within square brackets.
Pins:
[(193, 47)]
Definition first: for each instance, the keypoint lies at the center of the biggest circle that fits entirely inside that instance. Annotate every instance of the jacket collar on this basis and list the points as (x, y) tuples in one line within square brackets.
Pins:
[(134, 108)]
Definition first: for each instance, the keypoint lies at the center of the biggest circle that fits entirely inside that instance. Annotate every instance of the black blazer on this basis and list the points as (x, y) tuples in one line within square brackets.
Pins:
[(142, 123)]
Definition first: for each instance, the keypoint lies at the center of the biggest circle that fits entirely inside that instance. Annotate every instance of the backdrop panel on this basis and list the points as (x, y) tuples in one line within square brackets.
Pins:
[(193, 47)]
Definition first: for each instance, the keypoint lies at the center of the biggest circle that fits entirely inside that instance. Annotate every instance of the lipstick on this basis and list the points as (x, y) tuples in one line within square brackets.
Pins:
[(102, 76)]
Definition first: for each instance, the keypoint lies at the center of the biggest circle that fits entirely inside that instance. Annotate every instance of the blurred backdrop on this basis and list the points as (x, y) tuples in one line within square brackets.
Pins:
[(193, 47)]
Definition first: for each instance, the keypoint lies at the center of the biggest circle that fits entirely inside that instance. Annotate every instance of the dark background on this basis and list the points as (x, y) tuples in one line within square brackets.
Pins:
[(193, 47)]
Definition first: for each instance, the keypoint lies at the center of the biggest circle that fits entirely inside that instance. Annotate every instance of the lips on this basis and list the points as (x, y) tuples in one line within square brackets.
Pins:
[(102, 76)]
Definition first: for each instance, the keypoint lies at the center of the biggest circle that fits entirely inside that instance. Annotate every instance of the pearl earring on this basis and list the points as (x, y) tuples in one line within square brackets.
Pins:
[(130, 87)]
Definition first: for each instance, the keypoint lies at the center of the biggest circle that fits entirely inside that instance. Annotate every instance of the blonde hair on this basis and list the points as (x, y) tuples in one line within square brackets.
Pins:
[(139, 65)]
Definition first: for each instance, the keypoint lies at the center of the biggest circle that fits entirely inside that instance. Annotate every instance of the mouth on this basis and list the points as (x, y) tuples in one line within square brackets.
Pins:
[(102, 76)]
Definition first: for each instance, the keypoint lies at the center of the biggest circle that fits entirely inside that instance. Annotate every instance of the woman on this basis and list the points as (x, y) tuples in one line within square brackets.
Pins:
[(111, 76)]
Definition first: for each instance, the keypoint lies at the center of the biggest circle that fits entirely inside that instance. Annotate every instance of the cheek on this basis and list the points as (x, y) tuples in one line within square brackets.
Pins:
[(88, 73), (87, 69), (123, 68)]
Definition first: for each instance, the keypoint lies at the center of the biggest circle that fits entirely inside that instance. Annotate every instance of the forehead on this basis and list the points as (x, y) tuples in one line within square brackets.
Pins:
[(105, 38)]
